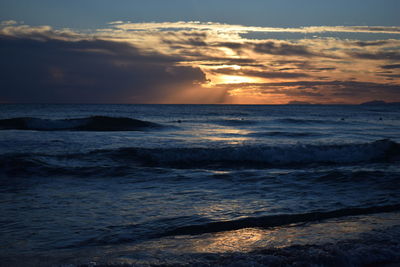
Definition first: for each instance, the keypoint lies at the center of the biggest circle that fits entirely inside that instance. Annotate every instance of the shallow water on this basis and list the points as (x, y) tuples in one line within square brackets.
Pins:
[(228, 179)]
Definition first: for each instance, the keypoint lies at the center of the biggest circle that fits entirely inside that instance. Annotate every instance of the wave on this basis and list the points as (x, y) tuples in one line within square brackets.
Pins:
[(284, 134), (122, 160), (374, 248), (308, 121), (234, 122), (381, 178), (29, 165), (275, 220), (250, 155), (378, 247), (236, 114), (172, 227), (94, 123)]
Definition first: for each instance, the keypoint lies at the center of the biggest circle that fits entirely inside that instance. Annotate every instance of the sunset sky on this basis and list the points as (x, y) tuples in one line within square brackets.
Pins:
[(199, 51)]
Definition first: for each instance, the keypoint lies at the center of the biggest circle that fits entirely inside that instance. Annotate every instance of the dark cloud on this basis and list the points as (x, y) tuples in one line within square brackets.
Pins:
[(302, 93), (341, 84), (243, 64), (285, 69), (330, 68), (217, 61), (268, 47), (275, 74), (261, 74), (391, 75), (308, 67), (392, 66), (231, 45), (39, 64), (200, 41), (348, 90), (381, 55), (284, 49), (371, 43), (186, 39), (89, 71), (295, 62)]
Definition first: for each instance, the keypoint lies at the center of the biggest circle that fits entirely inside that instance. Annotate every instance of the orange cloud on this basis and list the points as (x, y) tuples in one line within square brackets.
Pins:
[(215, 63)]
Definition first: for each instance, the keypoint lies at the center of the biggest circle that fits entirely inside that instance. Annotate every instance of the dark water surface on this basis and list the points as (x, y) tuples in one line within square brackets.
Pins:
[(199, 184)]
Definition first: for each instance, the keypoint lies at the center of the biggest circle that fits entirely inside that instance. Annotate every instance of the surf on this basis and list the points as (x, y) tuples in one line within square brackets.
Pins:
[(93, 123)]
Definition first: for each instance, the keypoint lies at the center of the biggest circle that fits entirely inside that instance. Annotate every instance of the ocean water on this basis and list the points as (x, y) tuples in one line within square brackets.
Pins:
[(205, 185)]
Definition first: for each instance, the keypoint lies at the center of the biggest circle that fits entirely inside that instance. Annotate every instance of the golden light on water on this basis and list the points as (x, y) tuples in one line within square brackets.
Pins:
[(251, 239), (232, 241), (229, 135)]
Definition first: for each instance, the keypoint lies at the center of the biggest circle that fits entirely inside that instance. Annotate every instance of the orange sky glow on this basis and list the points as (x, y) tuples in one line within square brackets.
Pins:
[(216, 63)]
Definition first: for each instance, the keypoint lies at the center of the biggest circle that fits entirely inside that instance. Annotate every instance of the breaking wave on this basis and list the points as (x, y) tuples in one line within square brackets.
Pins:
[(375, 248), (236, 156), (121, 234), (382, 150), (121, 161), (276, 220), (94, 123)]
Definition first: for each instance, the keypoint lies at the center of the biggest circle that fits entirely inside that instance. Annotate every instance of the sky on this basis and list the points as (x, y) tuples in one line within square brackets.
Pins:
[(199, 51)]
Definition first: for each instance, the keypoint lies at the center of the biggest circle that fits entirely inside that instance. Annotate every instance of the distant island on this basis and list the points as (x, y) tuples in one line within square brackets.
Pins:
[(374, 102), (368, 103)]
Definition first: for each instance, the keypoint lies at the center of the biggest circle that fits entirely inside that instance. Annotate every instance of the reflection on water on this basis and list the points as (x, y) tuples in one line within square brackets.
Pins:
[(249, 239), (229, 135), (113, 193), (242, 240), (179, 250), (297, 234)]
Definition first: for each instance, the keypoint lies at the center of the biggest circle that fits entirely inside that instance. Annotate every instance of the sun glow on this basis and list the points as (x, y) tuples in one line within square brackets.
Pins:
[(236, 79)]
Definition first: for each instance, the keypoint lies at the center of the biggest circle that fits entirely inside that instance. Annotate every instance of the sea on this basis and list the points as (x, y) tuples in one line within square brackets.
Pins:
[(199, 185)]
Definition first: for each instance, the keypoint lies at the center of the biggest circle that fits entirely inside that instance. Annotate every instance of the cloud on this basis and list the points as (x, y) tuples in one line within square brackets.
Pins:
[(89, 71), (321, 91), (381, 55), (221, 27), (281, 48), (116, 22), (8, 22), (262, 74), (191, 63), (371, 43), (391, 66), (40, 33), (328, 68)]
